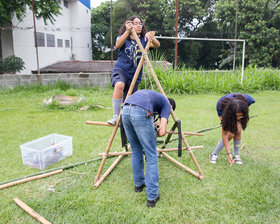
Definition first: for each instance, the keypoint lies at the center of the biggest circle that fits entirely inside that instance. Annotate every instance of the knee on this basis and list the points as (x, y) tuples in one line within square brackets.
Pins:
[(230, 135), (119, 86)]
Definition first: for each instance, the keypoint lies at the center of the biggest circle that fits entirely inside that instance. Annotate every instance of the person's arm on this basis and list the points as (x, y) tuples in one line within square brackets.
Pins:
[(155, 43), (120, 41), (226, 144), (163, 124)]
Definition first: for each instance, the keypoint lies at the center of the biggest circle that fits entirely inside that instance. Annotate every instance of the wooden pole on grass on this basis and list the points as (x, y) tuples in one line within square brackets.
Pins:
[(30, 179), (163, 93), (30, 211), (183, 166)]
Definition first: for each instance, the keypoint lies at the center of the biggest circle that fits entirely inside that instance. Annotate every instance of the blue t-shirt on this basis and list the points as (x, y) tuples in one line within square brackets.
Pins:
[(249, 100), (152, 101), (129, 56)]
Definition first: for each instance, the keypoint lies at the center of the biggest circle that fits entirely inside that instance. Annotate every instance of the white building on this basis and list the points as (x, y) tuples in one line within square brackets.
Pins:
[(69, 38)]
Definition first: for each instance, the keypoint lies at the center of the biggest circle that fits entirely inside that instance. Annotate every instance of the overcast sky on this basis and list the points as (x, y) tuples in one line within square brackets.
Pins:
[(95, 3)]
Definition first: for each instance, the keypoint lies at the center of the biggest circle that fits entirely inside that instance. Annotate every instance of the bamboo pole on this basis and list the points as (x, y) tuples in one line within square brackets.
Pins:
[(158, 150), (163, 93), (54, 169), (185, 133), (108, 171), (99, 123), (168, 132), (183, 166), (98, 181), (30, 179), (30, 211)]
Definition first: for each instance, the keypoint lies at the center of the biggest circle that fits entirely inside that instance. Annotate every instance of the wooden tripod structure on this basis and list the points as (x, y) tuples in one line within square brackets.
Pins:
[(98, 180)]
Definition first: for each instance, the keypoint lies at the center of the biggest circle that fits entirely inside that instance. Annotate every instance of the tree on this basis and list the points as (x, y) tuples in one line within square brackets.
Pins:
[(45, 9), (195, 18), (258, 24), (100, 31)]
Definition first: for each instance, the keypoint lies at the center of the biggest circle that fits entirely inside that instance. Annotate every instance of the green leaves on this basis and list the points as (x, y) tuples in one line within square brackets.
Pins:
[(258, 24), (45, 9)]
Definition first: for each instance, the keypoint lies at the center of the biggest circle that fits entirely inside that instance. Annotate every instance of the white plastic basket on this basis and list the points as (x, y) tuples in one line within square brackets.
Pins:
[(45, 151)]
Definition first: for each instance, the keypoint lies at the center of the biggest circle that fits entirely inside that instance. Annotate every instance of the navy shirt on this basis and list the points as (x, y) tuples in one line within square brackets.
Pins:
[(151, 101), (249, 100), (129, 57)]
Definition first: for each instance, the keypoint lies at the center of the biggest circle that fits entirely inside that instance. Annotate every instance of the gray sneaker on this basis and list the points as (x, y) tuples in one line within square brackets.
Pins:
[(237, 159), (113, 120), (213, 158)]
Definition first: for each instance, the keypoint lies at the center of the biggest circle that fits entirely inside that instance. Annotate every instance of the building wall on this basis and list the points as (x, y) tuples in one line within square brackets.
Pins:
[(101, 80), (65, 28), (80, 21)]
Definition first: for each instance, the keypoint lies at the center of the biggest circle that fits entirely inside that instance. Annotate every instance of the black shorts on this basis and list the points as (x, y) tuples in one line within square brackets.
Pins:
[(118, 75)]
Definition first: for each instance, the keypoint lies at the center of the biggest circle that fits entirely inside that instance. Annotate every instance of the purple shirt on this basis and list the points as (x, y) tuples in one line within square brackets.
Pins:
[(248, 98), (151, 101)]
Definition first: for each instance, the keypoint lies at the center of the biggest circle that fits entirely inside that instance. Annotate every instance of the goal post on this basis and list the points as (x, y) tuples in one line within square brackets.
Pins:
[(213, 39)]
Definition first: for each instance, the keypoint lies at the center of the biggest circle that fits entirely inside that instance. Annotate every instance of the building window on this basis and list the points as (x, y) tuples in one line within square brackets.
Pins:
[(59, 43), (40, 39), (50, 40), (66, 3), (67, 43)]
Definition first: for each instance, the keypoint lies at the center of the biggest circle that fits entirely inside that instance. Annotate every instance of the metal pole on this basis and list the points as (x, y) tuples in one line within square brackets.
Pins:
[(176, 34), (111, 26), (243, 62), (39, 79), (235, 35)]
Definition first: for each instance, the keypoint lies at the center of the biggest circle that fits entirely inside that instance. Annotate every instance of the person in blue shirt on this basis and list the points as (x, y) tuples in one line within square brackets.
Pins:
[(137, 119), (128, 58), (233, 111)]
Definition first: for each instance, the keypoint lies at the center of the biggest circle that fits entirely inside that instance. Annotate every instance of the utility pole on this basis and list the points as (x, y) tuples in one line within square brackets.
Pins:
[(39, 78), (111, 26), (235, 35), (176, 33)]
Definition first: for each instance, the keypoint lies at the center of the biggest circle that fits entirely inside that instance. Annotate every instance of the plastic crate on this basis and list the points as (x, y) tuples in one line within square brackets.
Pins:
[(43, 152)]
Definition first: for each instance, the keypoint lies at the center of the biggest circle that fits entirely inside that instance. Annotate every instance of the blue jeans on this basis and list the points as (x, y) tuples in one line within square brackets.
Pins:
[(141, 135)]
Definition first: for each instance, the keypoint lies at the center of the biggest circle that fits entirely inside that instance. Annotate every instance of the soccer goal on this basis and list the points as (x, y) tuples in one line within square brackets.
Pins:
[(212, 39)]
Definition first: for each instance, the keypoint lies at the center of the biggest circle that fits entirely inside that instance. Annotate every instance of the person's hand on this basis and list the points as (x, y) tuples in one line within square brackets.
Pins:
[(128, 25), (149, 36), (157, 128), (230, 160)]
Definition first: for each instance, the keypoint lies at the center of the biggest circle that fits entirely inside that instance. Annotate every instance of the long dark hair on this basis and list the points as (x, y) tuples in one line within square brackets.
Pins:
[(131, 18), (230, 108)]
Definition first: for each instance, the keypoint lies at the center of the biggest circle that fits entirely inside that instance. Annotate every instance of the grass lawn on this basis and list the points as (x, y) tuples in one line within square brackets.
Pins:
[(247, 193)]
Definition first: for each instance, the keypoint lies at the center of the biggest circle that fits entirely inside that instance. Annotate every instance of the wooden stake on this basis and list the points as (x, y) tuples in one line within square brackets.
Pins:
[(30, 179), (30, 211)]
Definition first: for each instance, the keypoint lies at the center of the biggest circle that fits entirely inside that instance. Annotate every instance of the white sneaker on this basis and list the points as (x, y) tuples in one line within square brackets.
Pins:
[(237, 159), (213, 158), (113, 120)]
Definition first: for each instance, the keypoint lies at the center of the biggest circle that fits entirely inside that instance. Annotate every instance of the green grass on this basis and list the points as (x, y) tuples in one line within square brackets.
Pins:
[(238, 194), (196, 82)]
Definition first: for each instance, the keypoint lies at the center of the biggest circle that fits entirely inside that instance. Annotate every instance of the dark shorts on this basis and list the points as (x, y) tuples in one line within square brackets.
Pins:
[(118, 75)]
